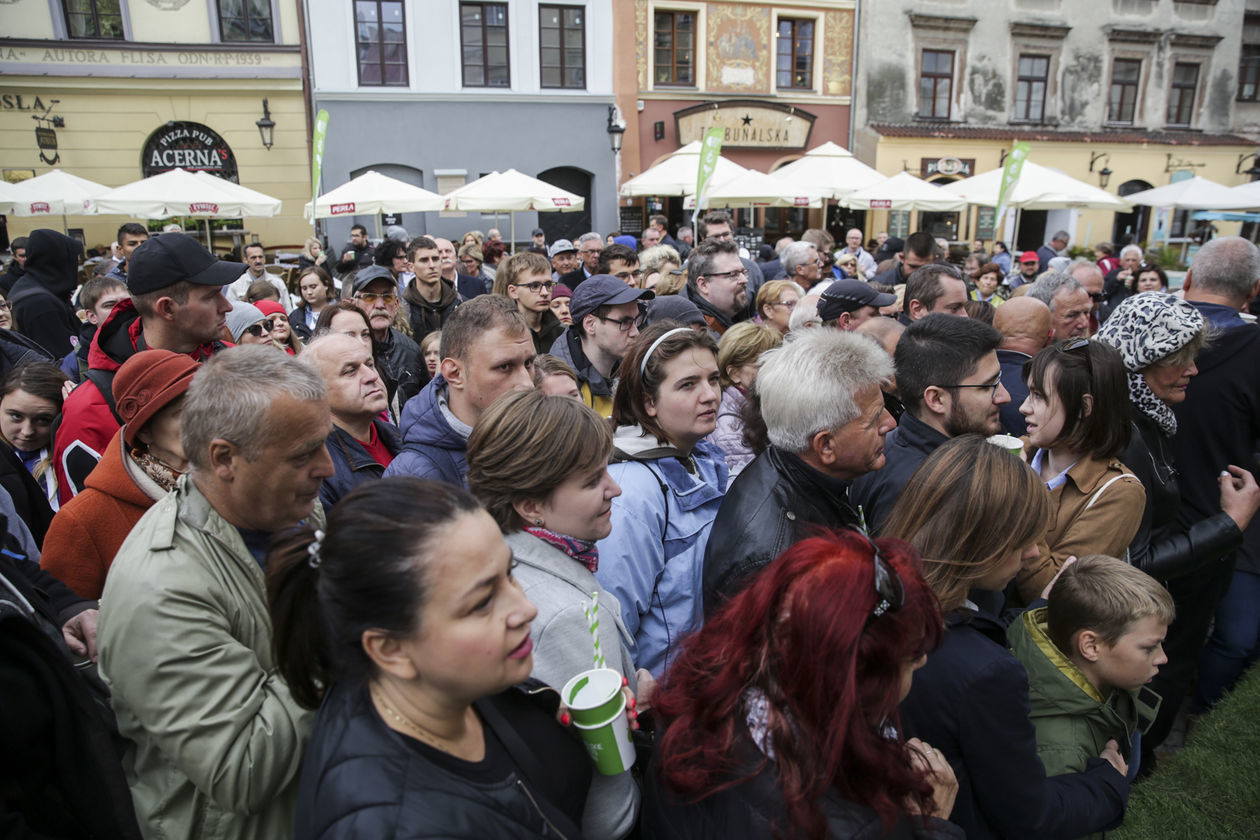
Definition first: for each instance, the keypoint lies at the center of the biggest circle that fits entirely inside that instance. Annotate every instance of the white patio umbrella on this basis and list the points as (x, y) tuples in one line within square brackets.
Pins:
[(374, 193), (830, 169), (9, 195), (1247, 195), (903, 191), (512, 192), (54, 193), (676, 175), (183, 193), (1039, 188), (751, 188), (1195, 193)]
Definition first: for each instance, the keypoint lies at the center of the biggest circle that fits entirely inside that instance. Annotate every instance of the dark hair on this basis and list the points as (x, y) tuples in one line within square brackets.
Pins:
[(320, 275), (713, 217), (802, 635), (616, 252), (39, 379), (146, 301), (19, 242), (323, 323), (386, 251), (420, 243), (1156, 270), (370, 575), (1000, 244), (93, 290), (980, 310), (245, 248), (925, 286), (360, 228), (634, 387), (700, 260), (473, 319), (921, 243), (939, 349), (992, 268), (261, 290), (491, 251), (1105, 430), (132, 229)]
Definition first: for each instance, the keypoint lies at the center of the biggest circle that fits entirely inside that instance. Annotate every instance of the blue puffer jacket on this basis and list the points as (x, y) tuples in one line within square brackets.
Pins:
[(653, 561), (352, 465), (431, 448)]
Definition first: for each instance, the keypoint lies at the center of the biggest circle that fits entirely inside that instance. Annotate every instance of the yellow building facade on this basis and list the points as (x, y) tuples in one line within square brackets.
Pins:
[(130, 91)]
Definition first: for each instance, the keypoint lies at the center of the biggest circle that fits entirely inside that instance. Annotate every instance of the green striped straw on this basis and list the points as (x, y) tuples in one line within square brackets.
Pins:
[(592, 621)]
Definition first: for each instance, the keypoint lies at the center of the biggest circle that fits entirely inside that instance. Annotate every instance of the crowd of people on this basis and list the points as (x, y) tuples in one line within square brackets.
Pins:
[(876, 545)]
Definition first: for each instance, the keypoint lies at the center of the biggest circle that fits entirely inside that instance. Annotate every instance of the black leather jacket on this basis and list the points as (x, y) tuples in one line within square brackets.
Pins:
[(1161, 547), (403, 365), (776, 501)]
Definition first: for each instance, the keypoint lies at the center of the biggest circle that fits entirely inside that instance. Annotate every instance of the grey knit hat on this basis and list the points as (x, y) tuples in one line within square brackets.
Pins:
[(242, 315), (1150, 326)]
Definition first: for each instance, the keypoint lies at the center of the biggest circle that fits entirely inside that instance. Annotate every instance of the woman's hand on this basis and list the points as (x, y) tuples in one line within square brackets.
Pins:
[(647, 687), (1111, 752), (1240, 496), (632, 713), (940, 776)]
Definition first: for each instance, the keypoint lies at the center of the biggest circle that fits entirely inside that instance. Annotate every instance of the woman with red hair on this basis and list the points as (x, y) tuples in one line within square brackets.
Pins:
[(781, 712)]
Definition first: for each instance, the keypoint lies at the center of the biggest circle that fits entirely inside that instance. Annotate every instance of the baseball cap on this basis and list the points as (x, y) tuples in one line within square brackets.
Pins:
[(162, 261), (537, 232), (848, 295), (373, 272), (1029, 256), (603, 290), (674, 308), (559, 247)]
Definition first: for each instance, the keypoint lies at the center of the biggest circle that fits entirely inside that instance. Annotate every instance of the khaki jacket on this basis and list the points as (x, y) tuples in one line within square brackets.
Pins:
[(185, 645), (1096, 511)]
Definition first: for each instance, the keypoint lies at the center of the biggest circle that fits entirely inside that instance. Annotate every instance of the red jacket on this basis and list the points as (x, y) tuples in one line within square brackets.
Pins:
[(87, 421), (88, 530)]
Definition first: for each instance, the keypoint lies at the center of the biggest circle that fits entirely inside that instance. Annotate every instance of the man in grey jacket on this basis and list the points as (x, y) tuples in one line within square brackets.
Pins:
[(184, 633)]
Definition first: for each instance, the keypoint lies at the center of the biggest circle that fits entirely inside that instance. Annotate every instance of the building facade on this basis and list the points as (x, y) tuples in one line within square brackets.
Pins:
[(118, 90), (439, 94), (777, 78), (1123, 94)]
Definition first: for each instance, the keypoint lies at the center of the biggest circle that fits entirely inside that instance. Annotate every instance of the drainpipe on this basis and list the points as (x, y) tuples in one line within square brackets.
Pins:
[(308, 96)]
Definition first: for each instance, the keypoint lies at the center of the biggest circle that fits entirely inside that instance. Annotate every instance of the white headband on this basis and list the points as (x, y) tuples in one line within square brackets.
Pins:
[(657, 343)]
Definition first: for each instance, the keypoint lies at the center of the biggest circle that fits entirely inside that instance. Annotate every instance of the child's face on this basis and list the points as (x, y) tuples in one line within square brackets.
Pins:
[(1134, 659)]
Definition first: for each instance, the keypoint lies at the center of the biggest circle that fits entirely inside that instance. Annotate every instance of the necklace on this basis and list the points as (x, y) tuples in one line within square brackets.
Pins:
[(425, 735)]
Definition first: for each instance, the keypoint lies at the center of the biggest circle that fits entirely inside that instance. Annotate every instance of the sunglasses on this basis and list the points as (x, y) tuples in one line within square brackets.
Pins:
[(261, 328), (1074, 344), (889, 591), (370, 298)]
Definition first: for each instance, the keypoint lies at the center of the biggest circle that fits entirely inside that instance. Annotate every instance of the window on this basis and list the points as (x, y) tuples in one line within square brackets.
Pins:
[(562, 40), (1030, 88), (381, 39), (795, 67), (675, 46), (936, 82), (245, 20), (1185, 81), (483, 32), (93, 18), (1122, 99), (1249, 73)]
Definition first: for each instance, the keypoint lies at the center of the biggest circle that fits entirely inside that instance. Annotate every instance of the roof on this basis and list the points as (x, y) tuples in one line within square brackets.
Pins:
[(953, 131)]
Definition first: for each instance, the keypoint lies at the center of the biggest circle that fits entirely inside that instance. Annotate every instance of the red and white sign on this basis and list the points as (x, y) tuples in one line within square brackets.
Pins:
[(881, 203), (342, 209), (800, 201), (203, 207), (561, 202), (40, 207)]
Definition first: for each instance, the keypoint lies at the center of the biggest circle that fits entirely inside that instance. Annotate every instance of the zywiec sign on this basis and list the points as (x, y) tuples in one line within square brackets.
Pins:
[(203, 207), (947, 166), (342, 209), (191, 146), (746, 124)]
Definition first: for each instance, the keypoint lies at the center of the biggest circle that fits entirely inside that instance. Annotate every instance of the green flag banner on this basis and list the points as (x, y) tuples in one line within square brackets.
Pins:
[(710, 150), (1010, 176), (317, 158)]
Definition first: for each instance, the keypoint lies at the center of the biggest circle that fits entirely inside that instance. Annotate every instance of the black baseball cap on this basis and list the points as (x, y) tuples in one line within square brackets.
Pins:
[(849, 295), (603, 290), (373, 272), (162, 261)]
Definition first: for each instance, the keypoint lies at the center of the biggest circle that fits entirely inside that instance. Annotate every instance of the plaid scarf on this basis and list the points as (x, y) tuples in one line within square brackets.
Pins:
[(583, 551)]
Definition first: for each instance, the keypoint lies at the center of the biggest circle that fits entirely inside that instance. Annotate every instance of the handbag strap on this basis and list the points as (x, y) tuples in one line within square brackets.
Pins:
[(1100, 490)]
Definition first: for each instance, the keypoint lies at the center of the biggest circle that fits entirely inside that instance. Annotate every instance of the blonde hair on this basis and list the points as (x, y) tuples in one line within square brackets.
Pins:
[(1106, 595), (771, 291), (526, 262), (966, 508), (651, 259), (742, 345), (546, 365), (526, 445)]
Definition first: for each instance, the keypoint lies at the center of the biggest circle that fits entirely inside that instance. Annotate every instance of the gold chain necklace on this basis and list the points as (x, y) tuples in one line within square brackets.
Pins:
[(423, 734)]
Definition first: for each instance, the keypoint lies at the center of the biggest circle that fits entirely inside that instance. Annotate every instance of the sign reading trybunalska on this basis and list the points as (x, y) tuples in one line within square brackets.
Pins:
[(746, 124), (191, 146)]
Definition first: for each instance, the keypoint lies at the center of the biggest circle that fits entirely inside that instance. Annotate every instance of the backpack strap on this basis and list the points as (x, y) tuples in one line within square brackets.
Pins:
[(104, 382)]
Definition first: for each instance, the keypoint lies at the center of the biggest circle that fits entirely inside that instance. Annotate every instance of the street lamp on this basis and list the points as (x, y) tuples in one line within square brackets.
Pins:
[(267, 127), (1104, 174), (615, 129), (1104, 177)]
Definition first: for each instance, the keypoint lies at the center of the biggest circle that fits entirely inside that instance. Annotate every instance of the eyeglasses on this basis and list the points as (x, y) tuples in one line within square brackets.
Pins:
[(992, 386), (4, 304), (628, 275), (261, 328), (370, 298), (624, 324), (739, 272), (537, 287), (1074, 344), (786, 304)]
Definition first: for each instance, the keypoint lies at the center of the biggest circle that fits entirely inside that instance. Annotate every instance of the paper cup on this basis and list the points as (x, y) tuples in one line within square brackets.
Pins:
[(1013, 445), (598, 707)]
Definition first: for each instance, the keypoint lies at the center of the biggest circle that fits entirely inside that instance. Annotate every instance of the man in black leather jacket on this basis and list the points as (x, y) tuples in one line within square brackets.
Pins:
[(825, 418)]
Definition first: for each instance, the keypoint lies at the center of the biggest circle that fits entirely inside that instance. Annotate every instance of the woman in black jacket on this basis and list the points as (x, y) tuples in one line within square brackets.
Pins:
[(406, 622), (1159, 336), (976, 513)]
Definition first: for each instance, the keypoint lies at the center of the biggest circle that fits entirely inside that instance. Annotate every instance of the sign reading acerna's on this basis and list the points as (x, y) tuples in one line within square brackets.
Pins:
[(191, 146)]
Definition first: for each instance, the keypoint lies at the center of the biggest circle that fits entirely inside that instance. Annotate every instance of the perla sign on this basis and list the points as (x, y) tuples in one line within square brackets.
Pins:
[(188, 145)]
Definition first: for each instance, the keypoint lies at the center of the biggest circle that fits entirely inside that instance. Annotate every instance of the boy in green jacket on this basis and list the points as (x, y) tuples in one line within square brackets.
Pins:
[(1089, 653)]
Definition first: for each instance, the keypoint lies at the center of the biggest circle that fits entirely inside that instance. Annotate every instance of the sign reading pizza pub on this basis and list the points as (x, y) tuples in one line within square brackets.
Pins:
[(191, 146)]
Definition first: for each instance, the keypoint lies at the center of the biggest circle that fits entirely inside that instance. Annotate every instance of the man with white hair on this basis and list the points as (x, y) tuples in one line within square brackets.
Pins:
[(853, 245), (801, 264), (805, 314), (1118, 283), (1090, 276), (1068, 301), (824, 411), (1057, 245)]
